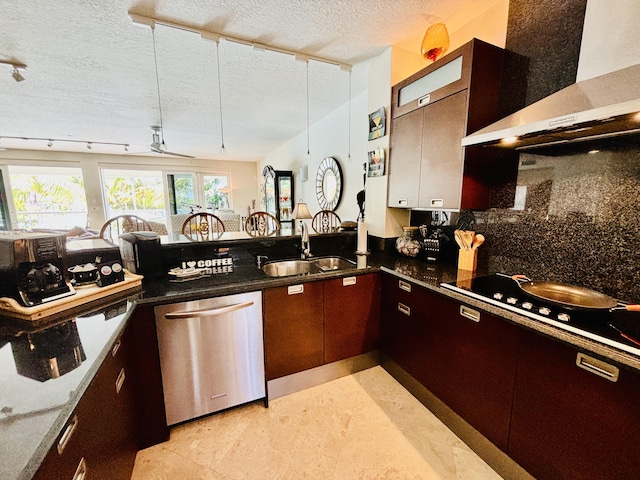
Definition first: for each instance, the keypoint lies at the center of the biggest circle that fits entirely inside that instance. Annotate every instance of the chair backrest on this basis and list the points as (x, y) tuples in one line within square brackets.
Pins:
[(203, 226), (123, 224), (261, 224), (325, 221)]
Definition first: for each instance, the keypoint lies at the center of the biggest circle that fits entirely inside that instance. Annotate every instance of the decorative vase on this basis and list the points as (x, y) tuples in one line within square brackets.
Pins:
[(409, 243)]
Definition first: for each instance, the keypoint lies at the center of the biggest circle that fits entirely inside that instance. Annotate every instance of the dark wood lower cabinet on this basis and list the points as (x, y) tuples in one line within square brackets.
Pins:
[(404, 313), (351, 316), (570, 423), (470, 364), (293, 328), (99, 437)]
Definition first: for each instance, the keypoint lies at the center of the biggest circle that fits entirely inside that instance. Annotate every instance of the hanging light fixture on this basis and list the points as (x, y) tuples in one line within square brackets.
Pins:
[(348, 67), (223, 150), (435, 42), (308, 135)]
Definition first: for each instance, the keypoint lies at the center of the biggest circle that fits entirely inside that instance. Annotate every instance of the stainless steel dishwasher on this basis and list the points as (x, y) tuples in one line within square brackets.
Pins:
[(211, 354)]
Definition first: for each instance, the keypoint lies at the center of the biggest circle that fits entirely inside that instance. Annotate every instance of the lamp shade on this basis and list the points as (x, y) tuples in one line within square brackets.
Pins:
[(301, 212), (435, 41)]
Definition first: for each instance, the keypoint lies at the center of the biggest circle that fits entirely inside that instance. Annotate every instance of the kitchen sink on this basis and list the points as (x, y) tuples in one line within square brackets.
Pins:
[(333, 263), (287, 268)]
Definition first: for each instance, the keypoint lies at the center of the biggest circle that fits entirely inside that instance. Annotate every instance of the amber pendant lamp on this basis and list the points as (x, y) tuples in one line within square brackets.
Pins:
[(435, 42)]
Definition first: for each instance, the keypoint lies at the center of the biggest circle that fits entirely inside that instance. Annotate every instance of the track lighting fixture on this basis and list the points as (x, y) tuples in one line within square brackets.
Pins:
[(15, 73), (50, 141)]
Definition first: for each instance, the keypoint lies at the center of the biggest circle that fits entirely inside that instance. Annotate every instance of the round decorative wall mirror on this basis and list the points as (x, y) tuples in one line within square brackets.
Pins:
[(329, 184)]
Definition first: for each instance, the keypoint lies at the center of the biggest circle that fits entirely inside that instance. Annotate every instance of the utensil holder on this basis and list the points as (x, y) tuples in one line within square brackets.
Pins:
[(467, 259)]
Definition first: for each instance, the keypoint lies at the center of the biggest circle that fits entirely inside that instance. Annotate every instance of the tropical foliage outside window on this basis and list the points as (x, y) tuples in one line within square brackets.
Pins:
[(48, 197), (137, 192), (216, 191)]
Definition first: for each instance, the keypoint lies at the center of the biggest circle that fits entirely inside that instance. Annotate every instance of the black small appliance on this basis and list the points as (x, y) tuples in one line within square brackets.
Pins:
[(141, 253), (32, 267)]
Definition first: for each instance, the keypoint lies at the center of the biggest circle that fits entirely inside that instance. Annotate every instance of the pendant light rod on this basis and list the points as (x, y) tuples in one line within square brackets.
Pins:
[(210, 35), (223, 150), (308, 134), (349, 127), (155, 61)]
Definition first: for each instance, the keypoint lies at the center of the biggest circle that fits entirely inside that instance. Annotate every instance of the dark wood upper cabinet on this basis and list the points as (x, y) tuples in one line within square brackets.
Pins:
[(431, 112)]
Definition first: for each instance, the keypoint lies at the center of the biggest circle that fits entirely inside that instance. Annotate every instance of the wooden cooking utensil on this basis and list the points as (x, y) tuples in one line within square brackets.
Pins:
[(467, 238), (477, 241), (458, 236)]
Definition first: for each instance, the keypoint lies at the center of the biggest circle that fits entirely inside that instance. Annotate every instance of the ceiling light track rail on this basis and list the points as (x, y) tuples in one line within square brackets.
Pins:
[(51, 141), (216, 37)]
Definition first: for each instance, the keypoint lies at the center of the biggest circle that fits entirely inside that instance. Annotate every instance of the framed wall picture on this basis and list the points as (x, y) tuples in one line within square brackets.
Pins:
[(377, 124), (376, 163)]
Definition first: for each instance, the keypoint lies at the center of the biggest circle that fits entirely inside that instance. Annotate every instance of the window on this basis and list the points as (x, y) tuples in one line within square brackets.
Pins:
[(135, 192), (190, 192), (216, 191), (48, 197)]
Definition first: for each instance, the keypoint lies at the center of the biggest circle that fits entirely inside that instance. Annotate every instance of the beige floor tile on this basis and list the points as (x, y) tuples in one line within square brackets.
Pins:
[(362, 426)]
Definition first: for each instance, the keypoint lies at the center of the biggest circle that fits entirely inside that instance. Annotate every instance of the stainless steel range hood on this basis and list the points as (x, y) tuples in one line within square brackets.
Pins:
[(600, 107)]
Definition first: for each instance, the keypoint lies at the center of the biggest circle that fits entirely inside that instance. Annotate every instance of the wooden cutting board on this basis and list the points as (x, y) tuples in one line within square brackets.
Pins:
[(11, 308)]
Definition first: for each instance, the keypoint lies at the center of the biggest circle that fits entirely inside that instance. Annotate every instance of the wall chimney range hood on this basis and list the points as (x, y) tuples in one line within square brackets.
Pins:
[(597, 108)]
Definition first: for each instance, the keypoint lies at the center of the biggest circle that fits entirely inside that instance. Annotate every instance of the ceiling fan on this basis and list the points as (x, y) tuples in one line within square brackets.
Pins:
[(158, 145)]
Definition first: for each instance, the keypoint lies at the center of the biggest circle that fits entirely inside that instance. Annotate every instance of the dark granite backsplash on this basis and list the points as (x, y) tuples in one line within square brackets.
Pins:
[(575, 220)]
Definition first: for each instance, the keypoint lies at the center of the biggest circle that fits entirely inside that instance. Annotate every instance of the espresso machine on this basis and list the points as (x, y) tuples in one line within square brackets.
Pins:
[(32, 267)]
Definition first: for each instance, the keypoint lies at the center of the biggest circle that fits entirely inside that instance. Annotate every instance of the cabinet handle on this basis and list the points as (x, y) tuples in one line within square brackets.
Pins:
[(424, 100), (469, 313), (295, 289), (66, 436), (116, 347), (406, 286), (403, 202), (348, 281), (81, 471), (120, 381), (402, 308), (597, 367), (437, 202)]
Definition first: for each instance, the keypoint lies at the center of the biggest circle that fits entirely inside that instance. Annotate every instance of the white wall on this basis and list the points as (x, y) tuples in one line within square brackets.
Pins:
[(611, 37), (243, 174), (328, 138)]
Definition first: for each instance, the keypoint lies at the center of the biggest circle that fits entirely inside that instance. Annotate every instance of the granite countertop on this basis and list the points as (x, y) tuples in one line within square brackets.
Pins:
[(35, 407), (33, 411)]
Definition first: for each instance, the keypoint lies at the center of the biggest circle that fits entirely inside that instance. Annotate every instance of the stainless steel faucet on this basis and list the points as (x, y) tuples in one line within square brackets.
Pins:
[(305, 249)]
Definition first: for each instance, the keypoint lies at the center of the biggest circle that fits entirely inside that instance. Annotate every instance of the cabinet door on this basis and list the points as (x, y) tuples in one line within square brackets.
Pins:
[(471, 365), (444, 125), (569, 422), (293, 328), (404, 163), (351, 316), (403, 317)]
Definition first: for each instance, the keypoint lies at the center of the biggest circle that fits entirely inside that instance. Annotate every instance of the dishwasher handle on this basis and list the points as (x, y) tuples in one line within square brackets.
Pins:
[(209, 312)]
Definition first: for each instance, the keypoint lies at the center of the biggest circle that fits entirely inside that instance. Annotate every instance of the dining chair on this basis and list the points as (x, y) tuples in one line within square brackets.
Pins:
[(123, 224), (261, 224), (203, 226), (325, 221)]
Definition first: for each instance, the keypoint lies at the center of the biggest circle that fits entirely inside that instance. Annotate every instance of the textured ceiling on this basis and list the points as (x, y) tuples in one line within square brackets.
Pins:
[(91, 73)]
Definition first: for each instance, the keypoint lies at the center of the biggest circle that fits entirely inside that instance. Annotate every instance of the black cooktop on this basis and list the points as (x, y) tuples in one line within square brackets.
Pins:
[(616, 328)]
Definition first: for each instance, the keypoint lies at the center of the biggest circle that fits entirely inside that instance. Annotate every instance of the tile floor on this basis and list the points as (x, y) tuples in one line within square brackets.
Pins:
[(363, 426)]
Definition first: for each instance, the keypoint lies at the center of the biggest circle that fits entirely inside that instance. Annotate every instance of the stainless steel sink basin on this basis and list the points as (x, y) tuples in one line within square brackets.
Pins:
[(287, 268), (333, 263)]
